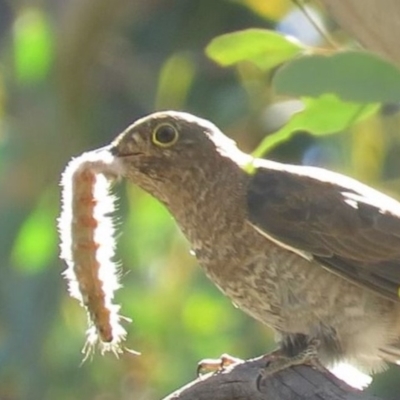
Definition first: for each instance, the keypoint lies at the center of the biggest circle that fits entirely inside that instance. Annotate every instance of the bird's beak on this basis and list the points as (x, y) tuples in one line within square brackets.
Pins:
[(109, 159), (113, 149), (109, 148)]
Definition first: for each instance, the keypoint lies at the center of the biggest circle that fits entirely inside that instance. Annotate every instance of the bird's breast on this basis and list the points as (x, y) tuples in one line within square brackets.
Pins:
[(283, 290), (260, 277)]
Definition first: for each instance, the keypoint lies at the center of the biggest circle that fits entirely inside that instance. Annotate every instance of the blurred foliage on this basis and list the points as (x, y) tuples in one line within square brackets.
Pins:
[(33, 45), (319, 116), (351, 75), (72, 75), (264, 48)]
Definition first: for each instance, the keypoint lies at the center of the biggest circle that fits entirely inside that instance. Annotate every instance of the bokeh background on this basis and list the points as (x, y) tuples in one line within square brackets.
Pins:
[(73, 74)]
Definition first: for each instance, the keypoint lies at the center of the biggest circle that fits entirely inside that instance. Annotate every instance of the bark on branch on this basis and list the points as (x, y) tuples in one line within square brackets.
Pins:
[(239, 383)]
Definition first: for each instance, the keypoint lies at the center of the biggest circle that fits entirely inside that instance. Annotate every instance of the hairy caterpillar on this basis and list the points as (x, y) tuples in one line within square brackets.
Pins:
[(87, 245)]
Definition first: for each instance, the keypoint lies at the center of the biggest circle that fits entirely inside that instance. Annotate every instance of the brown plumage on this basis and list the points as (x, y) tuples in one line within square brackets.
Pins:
[(311, 253)]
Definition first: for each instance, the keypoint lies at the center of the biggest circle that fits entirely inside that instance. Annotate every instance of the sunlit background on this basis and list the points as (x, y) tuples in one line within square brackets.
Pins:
[(73, 74)]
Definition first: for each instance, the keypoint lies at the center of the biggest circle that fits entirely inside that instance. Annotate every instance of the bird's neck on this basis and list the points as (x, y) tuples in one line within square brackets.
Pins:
[(211, 207)]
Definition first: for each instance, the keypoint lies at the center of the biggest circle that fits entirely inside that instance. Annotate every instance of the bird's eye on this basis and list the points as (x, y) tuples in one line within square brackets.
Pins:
[(165, 135)]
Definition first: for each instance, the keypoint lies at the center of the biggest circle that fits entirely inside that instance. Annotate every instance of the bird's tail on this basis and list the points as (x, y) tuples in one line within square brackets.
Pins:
[(351, 375)]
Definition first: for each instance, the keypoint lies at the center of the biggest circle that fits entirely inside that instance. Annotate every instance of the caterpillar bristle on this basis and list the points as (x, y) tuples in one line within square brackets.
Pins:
[(87, 245)]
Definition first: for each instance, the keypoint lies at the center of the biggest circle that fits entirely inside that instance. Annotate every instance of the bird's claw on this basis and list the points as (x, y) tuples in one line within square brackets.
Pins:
[(277, 362), (216, 364)]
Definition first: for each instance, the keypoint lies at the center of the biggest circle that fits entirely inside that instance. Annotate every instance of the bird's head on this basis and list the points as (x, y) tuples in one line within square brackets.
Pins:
[(166, 150)]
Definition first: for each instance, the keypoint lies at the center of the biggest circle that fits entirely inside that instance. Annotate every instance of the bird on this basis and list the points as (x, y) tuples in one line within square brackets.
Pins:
[(311, 253)]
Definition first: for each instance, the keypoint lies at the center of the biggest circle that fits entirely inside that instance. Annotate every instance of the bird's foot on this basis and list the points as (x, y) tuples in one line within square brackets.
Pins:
[(216, 364), (277, 362)]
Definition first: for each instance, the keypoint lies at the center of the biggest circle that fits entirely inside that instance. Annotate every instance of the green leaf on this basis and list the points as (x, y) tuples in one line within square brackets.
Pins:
[(176, 78), (33, 45), (266, 49), (324, 115), (352, 75), (36, 243)]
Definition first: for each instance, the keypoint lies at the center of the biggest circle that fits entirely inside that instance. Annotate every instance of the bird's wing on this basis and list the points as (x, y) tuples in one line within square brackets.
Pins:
[(349, 228)]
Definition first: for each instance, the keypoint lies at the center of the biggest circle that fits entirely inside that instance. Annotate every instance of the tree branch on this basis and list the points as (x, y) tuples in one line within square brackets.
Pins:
[(239, 383)]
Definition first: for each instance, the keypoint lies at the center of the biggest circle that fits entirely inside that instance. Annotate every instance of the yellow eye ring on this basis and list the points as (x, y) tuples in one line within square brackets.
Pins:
[(165, 135)]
